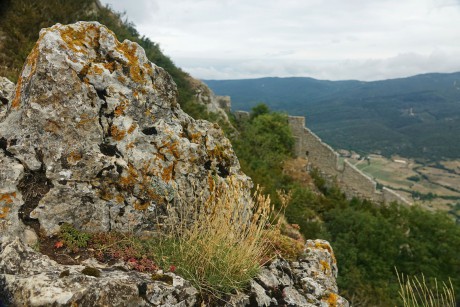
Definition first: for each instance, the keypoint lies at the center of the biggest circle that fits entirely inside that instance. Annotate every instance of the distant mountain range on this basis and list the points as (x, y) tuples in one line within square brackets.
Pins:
[(415, 117)]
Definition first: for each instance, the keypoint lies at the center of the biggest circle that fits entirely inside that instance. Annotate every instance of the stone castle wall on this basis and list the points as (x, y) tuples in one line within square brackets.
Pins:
[(351, 180)]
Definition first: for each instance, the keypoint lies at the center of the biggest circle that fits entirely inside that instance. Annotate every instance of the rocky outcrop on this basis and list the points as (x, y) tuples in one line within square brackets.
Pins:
[(220, 105), (28, 278), (32, 279), (95, 137), (310, 281), (92, 136)]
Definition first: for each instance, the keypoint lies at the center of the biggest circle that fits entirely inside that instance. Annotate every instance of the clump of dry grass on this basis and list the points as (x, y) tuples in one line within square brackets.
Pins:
[(416, 292), (225, 246)]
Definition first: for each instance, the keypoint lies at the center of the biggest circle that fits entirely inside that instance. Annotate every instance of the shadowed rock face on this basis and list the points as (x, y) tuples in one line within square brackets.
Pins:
[(94, 137)]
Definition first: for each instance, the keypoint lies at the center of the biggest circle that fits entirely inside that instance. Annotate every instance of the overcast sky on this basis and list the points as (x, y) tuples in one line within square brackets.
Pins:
[(324, 39)]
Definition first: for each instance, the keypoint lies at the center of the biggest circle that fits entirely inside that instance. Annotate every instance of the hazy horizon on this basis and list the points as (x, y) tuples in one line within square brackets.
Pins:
[(328, 40)]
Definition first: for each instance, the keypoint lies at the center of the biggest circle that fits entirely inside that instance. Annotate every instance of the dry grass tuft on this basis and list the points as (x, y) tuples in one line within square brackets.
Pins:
[(227, 243), (416, 292)]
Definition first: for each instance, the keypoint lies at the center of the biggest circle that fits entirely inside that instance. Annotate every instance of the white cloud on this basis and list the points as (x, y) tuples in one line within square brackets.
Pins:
[(330, 39)]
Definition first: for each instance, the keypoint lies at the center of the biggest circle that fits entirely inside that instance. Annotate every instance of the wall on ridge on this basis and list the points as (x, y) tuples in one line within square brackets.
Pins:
[(350, 179)]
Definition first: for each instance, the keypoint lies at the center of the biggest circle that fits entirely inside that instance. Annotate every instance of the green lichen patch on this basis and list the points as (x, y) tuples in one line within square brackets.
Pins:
[(91, 271), (163, 278)]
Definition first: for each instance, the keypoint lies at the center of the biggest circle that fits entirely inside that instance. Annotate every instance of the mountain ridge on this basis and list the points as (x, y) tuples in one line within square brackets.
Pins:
[(416, 116)]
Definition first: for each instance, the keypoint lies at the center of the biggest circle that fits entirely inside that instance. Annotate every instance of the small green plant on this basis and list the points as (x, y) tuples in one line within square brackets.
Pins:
[(72, 237), (415, 292)]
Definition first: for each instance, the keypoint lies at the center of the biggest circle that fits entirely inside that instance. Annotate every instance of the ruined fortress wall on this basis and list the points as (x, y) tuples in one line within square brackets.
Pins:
[(391, 196), (350, 179), (309, 145), (358, 183)]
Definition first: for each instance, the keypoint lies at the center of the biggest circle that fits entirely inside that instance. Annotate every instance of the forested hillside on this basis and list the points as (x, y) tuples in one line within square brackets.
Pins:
[(414, 117), (370, 240)]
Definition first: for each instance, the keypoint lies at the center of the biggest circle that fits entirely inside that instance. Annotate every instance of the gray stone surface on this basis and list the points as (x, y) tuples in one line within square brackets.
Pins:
[(28, 278), (95, 137)]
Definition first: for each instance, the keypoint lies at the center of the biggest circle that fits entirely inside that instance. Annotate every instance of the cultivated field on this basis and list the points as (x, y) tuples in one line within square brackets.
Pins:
[(434, 185)]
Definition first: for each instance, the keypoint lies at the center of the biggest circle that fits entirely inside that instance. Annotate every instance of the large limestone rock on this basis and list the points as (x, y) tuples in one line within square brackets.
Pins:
[(28, 278), (94, 137)]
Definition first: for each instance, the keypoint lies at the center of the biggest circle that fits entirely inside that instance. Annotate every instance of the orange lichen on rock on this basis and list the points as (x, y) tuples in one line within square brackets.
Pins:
[(17, 96), (4, 213), (120, 109), (116, 133), (172, 148), (80, 39), (7, 200), (98, 70), (167, 173), (331, 300), (129, 51), (110, 66), (130, 178)]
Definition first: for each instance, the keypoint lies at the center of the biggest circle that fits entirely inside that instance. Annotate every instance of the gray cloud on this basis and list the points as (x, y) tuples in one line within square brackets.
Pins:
[(329, 39)]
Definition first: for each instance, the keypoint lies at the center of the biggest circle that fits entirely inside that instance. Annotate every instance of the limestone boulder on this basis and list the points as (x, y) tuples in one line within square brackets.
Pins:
[(94, 137), (28, 278)]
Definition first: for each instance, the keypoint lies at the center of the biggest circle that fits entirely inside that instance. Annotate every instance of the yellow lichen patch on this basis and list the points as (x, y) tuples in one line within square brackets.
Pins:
[(110, 66), (98, 70), (77, 40), (331, 300), (130, 145), (324, 246), (116, 133), (149, 68), (196, 138), (74, 157), (132, 128), (129, 51), (120, 109), (325, 267)]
